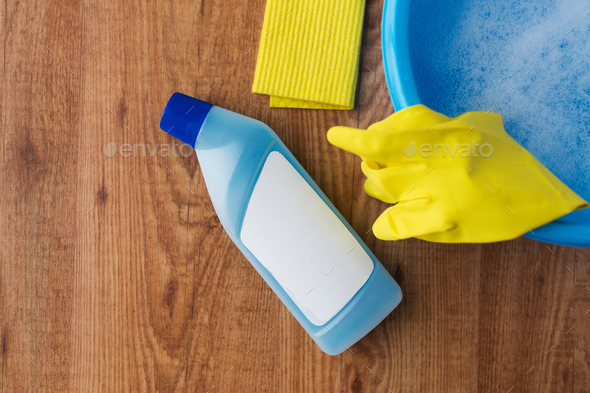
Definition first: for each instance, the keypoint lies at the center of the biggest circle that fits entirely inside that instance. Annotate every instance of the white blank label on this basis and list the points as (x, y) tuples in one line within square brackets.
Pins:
[(296, 236)]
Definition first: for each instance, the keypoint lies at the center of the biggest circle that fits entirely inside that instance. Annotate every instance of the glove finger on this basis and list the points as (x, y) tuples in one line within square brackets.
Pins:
[(394, 181), (414, 117), (374, 191), (410, 219), (360, 142), (390, 139), (385, 147), (376, 146)]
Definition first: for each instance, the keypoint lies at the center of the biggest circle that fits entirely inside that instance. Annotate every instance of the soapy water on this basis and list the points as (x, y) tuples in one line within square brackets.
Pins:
[(529, 61)]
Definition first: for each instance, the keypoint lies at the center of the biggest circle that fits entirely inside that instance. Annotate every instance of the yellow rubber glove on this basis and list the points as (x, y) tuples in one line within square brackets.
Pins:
[(454, 180)]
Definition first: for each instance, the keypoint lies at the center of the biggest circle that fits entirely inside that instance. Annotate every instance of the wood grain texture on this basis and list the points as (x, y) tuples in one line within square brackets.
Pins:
[(116, 275)]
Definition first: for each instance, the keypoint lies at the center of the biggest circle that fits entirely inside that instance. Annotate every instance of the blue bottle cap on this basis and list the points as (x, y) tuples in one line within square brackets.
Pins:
[(183, 117)]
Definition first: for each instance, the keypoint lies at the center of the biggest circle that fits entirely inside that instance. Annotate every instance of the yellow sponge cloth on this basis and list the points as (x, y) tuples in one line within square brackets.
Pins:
[(309, 53)]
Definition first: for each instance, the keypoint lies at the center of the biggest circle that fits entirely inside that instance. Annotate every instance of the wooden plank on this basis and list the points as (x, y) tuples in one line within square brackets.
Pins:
[(524, 317), (40, 105), (580, 314), (136, 285)]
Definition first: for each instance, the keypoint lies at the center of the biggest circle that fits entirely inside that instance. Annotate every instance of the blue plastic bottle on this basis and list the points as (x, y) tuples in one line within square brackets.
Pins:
[(285, 225)]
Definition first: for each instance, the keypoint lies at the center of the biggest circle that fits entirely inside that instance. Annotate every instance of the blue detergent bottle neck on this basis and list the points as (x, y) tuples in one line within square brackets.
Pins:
[(184, 116)]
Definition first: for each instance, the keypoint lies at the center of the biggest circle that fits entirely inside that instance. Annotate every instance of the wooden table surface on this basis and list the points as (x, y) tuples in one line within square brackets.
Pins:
[(116, 276)]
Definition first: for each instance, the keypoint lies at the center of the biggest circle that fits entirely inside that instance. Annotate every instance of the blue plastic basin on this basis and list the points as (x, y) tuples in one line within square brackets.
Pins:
[(423, 66)]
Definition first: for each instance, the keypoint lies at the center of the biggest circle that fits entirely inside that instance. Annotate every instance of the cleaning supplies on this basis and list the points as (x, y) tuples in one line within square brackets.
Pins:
[(454, 180), (309, 53), (284, 224)]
